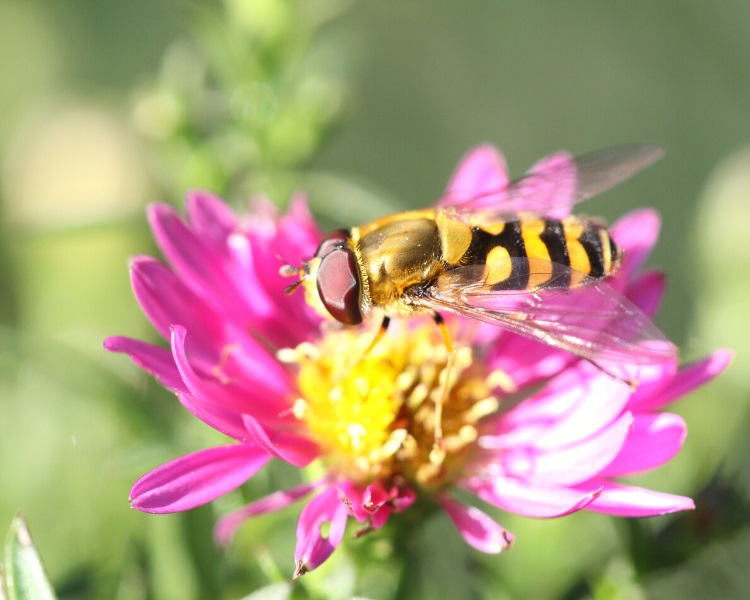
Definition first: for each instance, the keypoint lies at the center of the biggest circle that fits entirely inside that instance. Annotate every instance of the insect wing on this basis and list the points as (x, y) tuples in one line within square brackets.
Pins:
[(591, 320), (557, 182)]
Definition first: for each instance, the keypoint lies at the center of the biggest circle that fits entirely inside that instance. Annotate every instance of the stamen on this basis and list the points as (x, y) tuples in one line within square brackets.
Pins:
[(409, 409)]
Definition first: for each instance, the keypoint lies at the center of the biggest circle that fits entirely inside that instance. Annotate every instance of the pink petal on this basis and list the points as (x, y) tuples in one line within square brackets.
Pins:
[(404, 499), (481, 170), (197, 478), (371, 504), (166, 301), (153, 359), (689, 378), (477, 528), (568, 464), (297, 230), (551, 182), (526, 361), (530, 499), (574, 406), (198, 266), (210, 218), (286, 319), (263, 405), (647, 291), (312, 548), (630, 501), (295, 450), (636, 233), (653, 440), (228, 422), (227, 526)]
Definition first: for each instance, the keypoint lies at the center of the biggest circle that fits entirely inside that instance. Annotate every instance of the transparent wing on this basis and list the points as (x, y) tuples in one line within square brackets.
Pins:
[(559, 182), (591, 320)]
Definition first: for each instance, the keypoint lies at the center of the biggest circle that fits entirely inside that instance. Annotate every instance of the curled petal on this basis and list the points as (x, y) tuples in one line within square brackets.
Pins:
[(227, 526), (227, 422), (295, 450), (153, 359), (264, 406), (654, 439), (312, 548), (631, 501), (478, 529), (374, 503), (197, 478)]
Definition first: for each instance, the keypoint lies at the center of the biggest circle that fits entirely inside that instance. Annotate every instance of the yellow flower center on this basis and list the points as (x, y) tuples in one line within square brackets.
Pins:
[(373, 415)]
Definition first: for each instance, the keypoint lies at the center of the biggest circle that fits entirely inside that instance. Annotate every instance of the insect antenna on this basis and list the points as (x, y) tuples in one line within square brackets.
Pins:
[(288, 270), (288, 290)]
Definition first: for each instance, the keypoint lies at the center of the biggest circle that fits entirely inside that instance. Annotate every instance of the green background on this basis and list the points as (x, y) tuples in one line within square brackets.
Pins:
[(107, 106)]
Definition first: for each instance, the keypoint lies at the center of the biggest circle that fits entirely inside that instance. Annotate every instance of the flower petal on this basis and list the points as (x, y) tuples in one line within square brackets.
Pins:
[(210, 218), (295, 450), (647, 290), (482, 169), (636, 233), (530, 499), (263, 404), (153, 359), (373, 503), (551, 182), (197, 265), (227, 422), (630, 501), (654, 439), (197, 478), (227, 526), (685, 380), (569, 464), (166, 301), (577, 404), (478, 529), (312, 548)]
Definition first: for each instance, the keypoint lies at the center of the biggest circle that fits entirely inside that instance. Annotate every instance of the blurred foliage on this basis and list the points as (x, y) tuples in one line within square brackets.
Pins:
[(242, 101), (368, 106), (23, 576)]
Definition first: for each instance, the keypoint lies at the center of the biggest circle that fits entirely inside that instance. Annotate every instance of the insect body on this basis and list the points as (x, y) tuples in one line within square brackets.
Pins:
[(509, 257)]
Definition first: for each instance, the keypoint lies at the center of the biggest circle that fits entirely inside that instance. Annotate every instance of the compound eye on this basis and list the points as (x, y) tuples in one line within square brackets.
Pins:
[(338, 285), (335, 239)]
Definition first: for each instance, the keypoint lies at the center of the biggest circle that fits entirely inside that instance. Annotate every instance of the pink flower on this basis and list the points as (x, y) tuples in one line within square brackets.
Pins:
[(527, 428)]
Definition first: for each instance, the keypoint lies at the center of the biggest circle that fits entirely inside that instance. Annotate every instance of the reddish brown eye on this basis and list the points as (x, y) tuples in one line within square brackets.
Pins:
[(335, 239), (338, 285)]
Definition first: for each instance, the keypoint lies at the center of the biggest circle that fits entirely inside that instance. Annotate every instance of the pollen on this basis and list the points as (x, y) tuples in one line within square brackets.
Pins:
[(373, 415)]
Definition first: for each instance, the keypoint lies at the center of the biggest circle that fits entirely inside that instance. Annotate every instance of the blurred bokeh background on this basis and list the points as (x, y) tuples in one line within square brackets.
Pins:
[(106, 106)]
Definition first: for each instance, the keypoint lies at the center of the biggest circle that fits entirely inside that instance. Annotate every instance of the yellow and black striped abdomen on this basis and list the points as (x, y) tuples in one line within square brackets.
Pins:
[(564, 250)]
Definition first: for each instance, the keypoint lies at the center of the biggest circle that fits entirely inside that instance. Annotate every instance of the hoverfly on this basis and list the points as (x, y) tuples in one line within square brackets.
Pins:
[(509, 256)]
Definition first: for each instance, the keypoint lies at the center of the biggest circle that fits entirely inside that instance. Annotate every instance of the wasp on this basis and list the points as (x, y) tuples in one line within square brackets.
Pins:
[(511, 257)]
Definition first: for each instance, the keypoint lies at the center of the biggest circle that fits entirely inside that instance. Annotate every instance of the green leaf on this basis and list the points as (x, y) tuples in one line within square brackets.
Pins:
[(24, 577)]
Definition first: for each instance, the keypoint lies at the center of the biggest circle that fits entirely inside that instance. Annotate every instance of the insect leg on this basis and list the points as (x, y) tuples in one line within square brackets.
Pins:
[(378, 336), (630, 382), (438, 451)]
